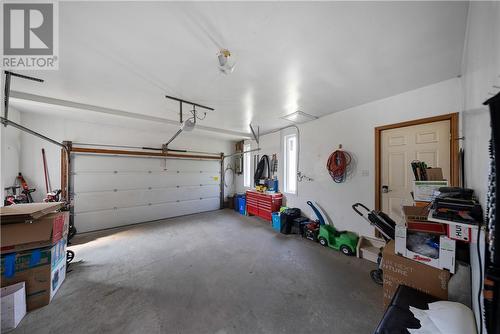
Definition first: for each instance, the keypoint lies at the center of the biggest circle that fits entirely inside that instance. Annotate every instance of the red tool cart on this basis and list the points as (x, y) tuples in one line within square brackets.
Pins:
[(262, 204)]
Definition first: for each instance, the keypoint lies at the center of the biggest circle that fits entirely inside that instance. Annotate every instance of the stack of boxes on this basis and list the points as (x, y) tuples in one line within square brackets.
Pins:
[(416, 222), (402, 263), (399, 270), (33, 251)]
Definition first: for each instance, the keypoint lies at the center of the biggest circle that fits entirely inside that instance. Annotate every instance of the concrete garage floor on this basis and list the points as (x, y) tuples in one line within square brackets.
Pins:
[(216, 272)]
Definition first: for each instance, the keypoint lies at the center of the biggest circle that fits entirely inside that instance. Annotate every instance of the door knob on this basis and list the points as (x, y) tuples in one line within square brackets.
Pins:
[(385, 189)]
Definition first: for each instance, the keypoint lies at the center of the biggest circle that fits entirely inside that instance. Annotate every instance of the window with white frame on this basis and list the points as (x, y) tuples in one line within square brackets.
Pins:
[(290, 163), (246, 166)]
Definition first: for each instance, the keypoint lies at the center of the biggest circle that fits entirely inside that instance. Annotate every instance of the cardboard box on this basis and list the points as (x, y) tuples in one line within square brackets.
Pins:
[(399, 270), (415, 212), (13, 305), (425, 191), (22, 213), (434, 174), (43, 271), (447, 249), (42, 232), (416, 220)]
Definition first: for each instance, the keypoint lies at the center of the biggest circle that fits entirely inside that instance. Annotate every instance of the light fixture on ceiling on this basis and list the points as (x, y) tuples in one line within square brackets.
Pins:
[(299, 117), (226, 62)]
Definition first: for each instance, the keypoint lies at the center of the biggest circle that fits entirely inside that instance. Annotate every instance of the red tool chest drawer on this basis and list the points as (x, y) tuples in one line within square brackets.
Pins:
[(263, 205)]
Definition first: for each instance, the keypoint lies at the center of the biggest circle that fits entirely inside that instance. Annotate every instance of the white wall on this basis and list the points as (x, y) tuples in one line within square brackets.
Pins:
[(481, 64), (61, 129), (481, 71), (354, 129), (476, 131), (11, 151)]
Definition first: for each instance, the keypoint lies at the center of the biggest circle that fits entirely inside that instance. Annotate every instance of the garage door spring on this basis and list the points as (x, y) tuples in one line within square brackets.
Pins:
[(338, 165)]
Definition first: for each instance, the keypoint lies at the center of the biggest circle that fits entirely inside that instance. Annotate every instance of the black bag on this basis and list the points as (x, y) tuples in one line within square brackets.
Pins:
[(287, 219), (298, 225)]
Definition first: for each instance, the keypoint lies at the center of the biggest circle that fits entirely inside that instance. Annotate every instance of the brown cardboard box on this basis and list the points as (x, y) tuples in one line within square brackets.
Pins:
[(42, 232), (399, 270), (43, 271), (434, 174), (21, 213)]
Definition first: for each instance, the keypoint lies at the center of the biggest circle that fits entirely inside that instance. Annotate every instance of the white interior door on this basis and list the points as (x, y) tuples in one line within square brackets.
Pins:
[(111, 191), (399, 147)]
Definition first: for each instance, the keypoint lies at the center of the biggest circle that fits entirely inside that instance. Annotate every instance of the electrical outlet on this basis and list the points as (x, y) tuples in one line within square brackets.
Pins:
[(365, 172)]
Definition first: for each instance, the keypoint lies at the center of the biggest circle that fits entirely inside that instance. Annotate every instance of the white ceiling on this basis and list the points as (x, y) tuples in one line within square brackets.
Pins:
[(319, 57)]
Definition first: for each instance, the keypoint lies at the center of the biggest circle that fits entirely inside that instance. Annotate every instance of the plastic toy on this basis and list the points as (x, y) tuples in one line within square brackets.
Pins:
[(329, 236)]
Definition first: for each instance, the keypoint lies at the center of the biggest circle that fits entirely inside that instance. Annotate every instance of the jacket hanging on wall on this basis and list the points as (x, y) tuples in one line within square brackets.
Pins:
[(259, 172)]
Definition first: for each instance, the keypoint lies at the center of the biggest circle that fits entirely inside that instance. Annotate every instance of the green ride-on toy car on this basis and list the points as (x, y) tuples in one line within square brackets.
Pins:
[(328, 236), (345, 242)]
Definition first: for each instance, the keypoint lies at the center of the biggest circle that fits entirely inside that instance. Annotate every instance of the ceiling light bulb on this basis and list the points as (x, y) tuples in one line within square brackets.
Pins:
[(222, 60), (226, 63)]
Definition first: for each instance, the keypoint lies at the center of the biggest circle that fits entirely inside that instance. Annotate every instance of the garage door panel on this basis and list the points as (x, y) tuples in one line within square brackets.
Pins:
[(110, 163), (111, 191), (95, 163), (97, 220), (192, 165), (92, 182), (92, 201)]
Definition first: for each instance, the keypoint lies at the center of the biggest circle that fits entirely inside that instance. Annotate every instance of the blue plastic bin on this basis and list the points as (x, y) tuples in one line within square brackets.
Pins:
[(242, 205), (276, 221), (237, 201)]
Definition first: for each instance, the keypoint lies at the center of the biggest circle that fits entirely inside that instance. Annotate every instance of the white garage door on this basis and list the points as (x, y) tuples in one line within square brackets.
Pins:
[(112, 191)]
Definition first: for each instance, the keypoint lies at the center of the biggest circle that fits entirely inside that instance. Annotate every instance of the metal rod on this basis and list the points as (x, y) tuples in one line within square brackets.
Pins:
[(173, 137), (109, 145), (6, 96), (8, 75), (161, 149), (146, 148), (180, 111), (34, 133), (241, 153), (188, 102), (255, 136), (23, 76), (222, 182), (142, 153)]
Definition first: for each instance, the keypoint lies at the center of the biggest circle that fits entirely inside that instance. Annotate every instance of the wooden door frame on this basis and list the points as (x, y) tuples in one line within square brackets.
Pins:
[(454, 149)]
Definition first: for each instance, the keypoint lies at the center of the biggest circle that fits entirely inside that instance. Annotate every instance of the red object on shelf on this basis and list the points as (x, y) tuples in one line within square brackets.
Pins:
[(426, 227), (262, 204)]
